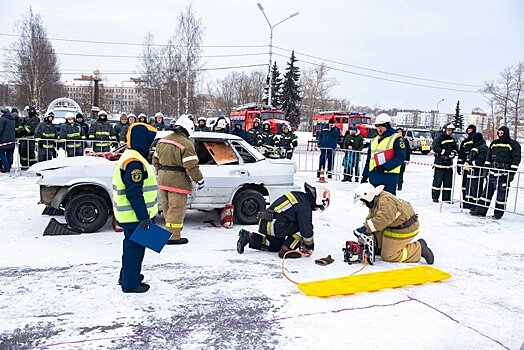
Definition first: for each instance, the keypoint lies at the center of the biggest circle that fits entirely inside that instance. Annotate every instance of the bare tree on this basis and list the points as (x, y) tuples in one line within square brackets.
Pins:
[(188, 39), (32, 64), (151, 78), (516, 96), (316, 85)]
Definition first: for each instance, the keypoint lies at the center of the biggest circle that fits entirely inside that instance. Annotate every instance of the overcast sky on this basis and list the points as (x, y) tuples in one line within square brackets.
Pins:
[(461, 42)]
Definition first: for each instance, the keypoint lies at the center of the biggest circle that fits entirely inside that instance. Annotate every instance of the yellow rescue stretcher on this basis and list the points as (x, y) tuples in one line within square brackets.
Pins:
[(373, 281)]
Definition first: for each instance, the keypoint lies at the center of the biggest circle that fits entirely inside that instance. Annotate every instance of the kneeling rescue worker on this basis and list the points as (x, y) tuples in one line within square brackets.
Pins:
[(287, 224), (134, 202), (394, 224)]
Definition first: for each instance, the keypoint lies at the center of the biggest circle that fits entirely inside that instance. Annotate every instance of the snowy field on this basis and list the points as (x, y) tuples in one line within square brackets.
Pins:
[(62, 292)]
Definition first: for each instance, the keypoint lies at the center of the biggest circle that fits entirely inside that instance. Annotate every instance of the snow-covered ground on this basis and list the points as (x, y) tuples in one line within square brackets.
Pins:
[(61, 292)]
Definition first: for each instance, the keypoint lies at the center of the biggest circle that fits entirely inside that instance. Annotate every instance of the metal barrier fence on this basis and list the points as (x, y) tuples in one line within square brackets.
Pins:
[(473, 191)]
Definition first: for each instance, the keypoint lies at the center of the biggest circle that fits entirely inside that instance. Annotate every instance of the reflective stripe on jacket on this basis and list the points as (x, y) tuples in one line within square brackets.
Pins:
[(122, 207), (386, 144)]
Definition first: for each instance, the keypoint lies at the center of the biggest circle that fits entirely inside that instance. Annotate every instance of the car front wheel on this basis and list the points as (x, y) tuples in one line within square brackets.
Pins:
[(86, 213), (248, 204)]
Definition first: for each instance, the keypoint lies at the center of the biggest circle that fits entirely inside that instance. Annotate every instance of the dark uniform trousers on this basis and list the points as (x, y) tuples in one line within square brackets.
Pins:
[(473, 190), (131, 258), (283, 234), (442, 177), (466, 189), (494, 183)]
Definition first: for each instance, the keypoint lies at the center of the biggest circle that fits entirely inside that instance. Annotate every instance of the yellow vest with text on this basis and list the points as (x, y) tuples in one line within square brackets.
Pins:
[(122, 207), (376, 147)]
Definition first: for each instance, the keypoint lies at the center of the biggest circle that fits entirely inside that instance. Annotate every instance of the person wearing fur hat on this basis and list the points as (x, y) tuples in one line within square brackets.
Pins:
[(463, 154), (503, 160)]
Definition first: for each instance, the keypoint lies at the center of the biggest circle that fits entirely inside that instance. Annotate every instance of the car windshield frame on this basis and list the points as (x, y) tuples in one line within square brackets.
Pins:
[(265, 115), (424, 133)]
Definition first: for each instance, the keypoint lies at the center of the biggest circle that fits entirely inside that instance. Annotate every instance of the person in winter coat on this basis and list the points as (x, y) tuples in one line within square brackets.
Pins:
[(353, 143), (176, 163), (463, 155), (288, 141), (255, 130), (445, 149), (238, 131), (503, 158), (159, 122), (287, 224), (142, 118), (266, 137), (80, 121), (402, 133), (27, 148), (19, 124), (70, 131), (135, 192), (7, 139), (45, 136), (120, 126), (131, 119), (386, 154), (394, 224), (221, 125), (327, 142), (103, 132), (201, 126), (477, 155)]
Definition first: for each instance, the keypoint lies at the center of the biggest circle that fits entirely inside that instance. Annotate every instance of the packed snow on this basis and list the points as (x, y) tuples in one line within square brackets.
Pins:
[(61, 292)]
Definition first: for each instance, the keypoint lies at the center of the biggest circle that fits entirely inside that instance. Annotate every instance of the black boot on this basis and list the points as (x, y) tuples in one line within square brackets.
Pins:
[(120, 279), (142, 288), (244, 237), (399, 187), (182, 240), (427, 254), (345, 179)]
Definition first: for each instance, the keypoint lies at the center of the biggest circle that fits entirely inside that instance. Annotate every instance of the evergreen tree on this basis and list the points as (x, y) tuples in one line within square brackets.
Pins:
[(291, 92), (276, 87), (458, 119)]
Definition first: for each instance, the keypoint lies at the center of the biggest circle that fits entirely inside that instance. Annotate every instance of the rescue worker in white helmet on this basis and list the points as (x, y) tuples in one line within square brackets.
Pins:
[(386, 154), (201, 126), (394, 223), (287, 224), (176, 162), (255, 130), (266, 137), (159, 122), (445, 149)]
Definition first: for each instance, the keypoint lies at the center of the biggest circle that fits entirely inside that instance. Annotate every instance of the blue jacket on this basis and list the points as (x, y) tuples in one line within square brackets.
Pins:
[(328, 138), (375, 176), (241, 133)]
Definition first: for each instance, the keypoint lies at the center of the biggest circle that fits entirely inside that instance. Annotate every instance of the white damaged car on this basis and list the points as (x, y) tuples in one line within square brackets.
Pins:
[(234, 172)]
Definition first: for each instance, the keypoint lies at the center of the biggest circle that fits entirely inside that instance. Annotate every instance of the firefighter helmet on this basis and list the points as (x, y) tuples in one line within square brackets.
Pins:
[(256, 120), (449, 126), (159, 114), (382, 118), (366, 192), (202, 119), (102, 113), (186, 124)]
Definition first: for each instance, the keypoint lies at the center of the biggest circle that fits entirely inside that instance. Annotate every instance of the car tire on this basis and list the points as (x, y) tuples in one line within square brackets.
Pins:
[(248, 204), (86, 213), (424, 152)]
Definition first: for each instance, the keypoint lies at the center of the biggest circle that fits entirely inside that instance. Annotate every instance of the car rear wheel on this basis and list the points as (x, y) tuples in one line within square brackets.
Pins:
[(86, 213), (248, 204)]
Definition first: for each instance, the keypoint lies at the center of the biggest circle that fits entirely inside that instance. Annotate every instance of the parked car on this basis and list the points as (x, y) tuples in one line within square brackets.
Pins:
[(234, 172), (419, 140), (60, 107)]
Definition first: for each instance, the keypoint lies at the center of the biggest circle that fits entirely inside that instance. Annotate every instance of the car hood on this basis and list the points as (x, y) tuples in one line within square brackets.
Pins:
[(59, 163)]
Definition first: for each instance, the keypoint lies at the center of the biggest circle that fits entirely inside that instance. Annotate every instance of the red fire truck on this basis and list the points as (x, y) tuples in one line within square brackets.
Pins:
[(344, 121), (246, 113)]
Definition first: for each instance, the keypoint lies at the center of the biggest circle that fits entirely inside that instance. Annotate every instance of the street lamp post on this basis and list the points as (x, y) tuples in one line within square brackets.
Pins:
[(271, 46), (436, 114), (95, 108)]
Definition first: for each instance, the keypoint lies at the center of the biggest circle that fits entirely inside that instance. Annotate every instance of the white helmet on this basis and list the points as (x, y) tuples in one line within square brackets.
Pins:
[(221, 124), (185, 123), (159, 114), (367, 192), (69, 115), (101, 112), (202, 119), (382, 118), (323, 197), (449, 126)]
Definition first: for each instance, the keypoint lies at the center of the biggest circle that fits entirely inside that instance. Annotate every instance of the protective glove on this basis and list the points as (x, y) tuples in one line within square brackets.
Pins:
[(381, 168), (200, 184), (145, 223), (364, 179), (511, 176), (459, 170), (307, 249), (467, 167), (453, 154), (357, 232)]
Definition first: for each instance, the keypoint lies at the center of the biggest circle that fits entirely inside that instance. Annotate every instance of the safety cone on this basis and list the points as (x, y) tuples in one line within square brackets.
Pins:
[(322, 177)]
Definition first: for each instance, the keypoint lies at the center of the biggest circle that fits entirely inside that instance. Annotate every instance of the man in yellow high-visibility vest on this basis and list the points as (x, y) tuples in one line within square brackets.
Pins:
[(134, 202), (386, 154)]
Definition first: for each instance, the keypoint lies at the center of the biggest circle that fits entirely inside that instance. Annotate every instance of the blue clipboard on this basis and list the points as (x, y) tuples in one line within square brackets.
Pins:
[(154, 238)]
